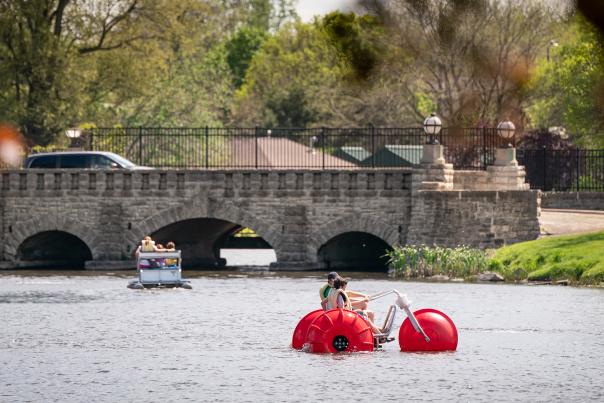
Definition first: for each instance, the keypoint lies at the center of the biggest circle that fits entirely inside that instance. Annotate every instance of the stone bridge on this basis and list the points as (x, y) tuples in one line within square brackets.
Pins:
[(312, 219)]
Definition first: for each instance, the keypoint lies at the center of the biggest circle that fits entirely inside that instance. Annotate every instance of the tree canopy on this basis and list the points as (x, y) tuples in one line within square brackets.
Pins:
[(66, 63)]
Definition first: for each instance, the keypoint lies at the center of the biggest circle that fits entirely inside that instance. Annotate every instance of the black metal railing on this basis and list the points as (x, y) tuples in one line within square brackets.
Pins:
[(314, 148), (340, 148), (563, 170)]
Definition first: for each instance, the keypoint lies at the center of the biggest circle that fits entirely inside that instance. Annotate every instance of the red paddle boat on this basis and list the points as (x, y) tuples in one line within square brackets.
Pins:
[(342, 330)]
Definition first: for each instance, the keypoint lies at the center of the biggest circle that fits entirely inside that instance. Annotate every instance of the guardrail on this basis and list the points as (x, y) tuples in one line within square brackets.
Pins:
[(278, 148), (564, 170)]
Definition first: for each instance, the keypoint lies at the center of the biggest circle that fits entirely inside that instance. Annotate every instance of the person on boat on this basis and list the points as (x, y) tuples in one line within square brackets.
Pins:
[(171, 247), (324, 291), (338, 298), (159, 263), (358, 301), (147, 245)]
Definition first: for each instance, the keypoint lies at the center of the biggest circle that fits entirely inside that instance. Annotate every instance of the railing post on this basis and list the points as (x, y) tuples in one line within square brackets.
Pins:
[(140, 145), (323, 148), (372, 146), (207, 147), (577, 153), (256, 141), (544, 168), (91, 141), (483, 161)]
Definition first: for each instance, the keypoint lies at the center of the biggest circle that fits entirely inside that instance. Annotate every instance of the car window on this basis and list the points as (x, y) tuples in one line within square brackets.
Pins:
[(122, 161), (45, 161), (75, 161), (100, 161)]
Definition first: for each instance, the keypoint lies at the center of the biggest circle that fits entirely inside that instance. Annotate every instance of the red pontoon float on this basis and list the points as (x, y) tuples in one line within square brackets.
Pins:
[(342, 330)]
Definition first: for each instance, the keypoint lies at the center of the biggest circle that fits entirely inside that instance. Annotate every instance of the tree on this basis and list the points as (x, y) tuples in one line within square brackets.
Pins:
[(39, 40), (240, 49), (289, 72), (292, 109), (354, 38), (108, 62), (471, 57), (566, 89), (178, 77)]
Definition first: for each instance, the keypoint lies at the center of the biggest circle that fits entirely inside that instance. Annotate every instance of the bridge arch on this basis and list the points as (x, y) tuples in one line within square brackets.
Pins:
[(213, 210), (354, 223), (26, 230), (351, 235)]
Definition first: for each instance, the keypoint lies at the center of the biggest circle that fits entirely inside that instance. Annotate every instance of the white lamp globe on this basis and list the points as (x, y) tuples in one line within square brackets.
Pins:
[(432, 124), (506, 129)]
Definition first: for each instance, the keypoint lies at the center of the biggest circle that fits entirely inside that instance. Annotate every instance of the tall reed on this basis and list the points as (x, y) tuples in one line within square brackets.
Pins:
[(412, 261)]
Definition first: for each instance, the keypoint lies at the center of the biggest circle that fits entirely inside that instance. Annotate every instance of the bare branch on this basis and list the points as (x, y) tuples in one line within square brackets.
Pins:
[(107, 27)]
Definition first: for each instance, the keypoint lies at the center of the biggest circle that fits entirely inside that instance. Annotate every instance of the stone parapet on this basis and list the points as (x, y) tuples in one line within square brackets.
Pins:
[(433, 177), (507, 177), (573, 200)]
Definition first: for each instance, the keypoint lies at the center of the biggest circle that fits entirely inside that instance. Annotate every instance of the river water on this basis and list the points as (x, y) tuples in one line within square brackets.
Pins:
[(77, 337)]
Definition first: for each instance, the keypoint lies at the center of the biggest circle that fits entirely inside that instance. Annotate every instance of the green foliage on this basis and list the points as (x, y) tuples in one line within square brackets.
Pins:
[(292, 109), (586, 183), (252, 62), (259, 15), (240, 49), (424, 261), (287, 75), (352, 35), (567, 89), (34, 62), (579, 258), (425, 104), (148, 62)]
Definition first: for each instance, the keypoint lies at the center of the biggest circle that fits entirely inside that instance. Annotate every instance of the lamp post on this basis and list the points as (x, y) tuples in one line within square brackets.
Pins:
[(552, 43), (432, 126), (506, 130), (312, 142), (433, 151), (74, 136), (506, 155)]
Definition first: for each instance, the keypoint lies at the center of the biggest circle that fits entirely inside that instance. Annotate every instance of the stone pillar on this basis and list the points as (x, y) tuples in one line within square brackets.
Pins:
[(505, 157), (506, 174), (434, 173)]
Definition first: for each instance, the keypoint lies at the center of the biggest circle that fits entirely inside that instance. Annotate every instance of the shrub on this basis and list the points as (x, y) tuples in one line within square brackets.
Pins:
[(411, 261)]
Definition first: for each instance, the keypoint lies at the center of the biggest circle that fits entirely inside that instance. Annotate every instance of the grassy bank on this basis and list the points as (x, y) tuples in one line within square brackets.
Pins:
[(578, 258)]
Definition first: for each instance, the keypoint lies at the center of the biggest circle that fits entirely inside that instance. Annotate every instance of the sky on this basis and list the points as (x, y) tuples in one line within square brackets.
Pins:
[(309, 8)]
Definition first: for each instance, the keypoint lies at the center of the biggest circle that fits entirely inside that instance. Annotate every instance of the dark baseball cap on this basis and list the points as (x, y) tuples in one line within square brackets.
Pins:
[(332, 275)]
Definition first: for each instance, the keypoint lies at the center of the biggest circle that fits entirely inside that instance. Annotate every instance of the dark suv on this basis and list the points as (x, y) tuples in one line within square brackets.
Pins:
[(80, 159)]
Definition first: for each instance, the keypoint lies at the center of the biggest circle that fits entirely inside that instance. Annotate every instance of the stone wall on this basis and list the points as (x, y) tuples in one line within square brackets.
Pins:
[(487, 219), (494, 178), (295, 212), (573, 200)]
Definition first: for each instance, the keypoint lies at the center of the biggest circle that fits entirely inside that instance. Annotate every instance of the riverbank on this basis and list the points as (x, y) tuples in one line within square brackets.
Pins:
[(576, 258)]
